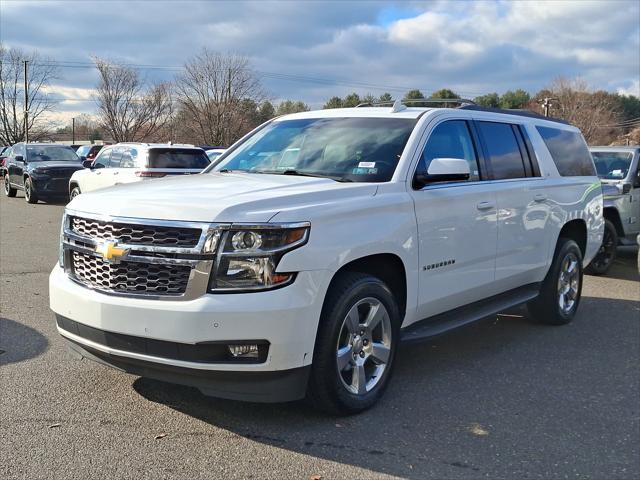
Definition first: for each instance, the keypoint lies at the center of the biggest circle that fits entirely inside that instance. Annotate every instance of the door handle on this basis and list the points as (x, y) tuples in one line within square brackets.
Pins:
[(116, 173), (98, 173), (485, 205), (539, 197)]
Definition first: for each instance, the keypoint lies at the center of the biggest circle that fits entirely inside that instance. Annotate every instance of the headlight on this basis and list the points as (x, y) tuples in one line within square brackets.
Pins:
[(61, 250), (249, 255)]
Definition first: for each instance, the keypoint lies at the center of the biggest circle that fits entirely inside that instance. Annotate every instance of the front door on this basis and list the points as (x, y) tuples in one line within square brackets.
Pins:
[(456, 226)]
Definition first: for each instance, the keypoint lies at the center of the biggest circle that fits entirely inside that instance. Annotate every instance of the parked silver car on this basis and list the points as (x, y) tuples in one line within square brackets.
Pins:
[(617, 167)]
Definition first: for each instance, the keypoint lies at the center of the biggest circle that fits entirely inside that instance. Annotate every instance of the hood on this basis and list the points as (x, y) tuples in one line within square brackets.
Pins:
[(218, 197), (53, 164)]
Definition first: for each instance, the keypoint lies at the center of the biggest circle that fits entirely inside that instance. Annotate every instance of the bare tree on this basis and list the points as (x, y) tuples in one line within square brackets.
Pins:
[(129, 108), (40, 73), (590, 111), (214, 94)]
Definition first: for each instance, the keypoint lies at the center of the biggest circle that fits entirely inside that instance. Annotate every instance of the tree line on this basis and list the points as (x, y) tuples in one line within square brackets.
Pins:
[(217, 98)]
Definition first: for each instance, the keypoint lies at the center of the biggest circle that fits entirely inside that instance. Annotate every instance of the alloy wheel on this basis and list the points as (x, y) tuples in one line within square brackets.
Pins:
[(363, 349), (568, 283)]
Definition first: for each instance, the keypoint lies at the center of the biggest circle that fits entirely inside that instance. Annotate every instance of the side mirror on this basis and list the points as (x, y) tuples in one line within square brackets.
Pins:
[(87, 163), (82, 158), (19, 158), (444, 170)]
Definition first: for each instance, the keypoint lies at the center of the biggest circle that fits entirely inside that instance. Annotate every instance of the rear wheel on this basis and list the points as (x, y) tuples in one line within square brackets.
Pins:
[(9, 191), (30, 194), (562, 287), (607, 254)]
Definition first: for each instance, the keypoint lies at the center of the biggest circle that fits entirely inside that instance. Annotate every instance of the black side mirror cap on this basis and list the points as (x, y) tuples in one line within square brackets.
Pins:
[(87, 163), (19, 158)]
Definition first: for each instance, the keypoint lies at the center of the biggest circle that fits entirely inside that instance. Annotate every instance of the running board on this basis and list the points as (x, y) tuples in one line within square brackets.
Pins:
[(458, 317)]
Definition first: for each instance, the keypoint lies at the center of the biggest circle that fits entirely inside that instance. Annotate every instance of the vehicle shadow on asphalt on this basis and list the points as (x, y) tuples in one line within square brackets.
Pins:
[(451, 397), (19, 342), (625, 266)]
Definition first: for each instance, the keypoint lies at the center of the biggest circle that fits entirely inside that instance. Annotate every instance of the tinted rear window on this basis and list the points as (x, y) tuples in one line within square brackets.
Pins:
[(505, 157), (177, 158), (569, 152)]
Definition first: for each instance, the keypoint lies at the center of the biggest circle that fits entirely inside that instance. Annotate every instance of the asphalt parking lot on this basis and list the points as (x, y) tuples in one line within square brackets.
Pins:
[(504, 398)]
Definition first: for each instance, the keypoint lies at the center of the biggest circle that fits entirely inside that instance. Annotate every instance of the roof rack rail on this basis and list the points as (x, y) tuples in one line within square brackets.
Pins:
[(390, 103), (521, 113)]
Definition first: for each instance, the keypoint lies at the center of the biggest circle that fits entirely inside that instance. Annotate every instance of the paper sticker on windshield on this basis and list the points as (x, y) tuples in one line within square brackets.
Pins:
[(366, 165)]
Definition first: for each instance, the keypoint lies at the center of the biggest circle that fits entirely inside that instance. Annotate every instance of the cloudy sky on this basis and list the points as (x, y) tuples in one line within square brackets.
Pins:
[(311, 50)]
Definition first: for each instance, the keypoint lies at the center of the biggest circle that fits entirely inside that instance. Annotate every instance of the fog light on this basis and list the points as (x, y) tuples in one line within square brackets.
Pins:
[(244, 351)]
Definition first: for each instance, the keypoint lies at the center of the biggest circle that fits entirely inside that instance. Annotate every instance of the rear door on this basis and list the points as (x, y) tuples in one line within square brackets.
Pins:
[(16, 167), (523, 207), (128, 160), (456, 225)]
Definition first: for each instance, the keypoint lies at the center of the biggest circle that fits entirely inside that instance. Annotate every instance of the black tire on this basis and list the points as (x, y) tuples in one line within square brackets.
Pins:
[(327, 389), (9, 191), (605, 257), (547, 307), (30, 194), (75, 191)]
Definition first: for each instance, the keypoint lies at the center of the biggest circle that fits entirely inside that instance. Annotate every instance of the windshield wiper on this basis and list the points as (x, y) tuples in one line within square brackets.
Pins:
[(316, 175)]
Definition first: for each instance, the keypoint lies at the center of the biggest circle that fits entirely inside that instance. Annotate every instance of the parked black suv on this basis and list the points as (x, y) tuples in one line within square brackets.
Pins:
[(42, 170)]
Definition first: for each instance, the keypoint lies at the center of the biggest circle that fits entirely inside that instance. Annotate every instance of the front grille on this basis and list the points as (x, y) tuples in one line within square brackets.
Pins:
[(130, 277), (146, 235)]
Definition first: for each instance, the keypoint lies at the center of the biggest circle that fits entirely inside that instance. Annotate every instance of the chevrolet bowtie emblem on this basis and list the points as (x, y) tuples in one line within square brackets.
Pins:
[(110, 252)]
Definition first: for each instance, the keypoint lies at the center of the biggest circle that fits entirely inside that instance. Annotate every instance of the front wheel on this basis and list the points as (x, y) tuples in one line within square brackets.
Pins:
[(607, 253), (30, 194), (355, 346), (561, 289), (9, 191), (74, 193)]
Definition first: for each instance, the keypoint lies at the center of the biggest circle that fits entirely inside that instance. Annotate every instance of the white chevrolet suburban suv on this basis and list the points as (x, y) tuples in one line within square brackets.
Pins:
[(300, 262)]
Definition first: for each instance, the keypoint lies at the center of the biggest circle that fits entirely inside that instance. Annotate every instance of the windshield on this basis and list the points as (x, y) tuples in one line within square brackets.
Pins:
[(189, 158), (612, 165), (46, 153), (346, 149)]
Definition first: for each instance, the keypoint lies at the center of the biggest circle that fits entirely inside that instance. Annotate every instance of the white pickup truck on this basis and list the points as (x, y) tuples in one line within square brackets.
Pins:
[(301, 261)]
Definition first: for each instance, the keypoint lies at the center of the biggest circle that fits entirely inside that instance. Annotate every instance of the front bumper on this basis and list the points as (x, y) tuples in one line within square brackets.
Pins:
[(47, 186), (286, 319)]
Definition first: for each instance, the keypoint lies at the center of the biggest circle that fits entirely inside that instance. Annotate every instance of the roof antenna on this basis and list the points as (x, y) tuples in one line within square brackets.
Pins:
[(397, 106)]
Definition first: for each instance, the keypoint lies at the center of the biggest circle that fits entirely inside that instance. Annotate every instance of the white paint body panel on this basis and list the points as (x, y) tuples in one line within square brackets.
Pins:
[(507, 243)]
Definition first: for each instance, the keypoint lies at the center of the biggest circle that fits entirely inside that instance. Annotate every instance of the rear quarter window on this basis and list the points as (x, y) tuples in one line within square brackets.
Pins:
[(569, 152), (178, 158)]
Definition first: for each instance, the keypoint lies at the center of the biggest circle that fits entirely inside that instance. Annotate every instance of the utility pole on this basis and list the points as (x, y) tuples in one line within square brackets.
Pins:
[(546, 104), (26, 105), (73, 130)]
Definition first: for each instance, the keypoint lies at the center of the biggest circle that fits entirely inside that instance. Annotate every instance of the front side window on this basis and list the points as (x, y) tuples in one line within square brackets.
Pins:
[(102, 160), (568, 150), (612, 165), (450, 139), (49, 153), (505, 156), (344, 149)]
